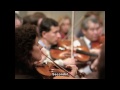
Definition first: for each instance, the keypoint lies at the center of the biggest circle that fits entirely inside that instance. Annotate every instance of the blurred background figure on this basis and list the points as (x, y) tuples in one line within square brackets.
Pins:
[(27, 19), (18, 20), (34, 19), (65, 25), (93, 14)]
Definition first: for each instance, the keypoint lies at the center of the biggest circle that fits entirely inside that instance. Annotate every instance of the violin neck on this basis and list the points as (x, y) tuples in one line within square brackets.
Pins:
[(86, 53)]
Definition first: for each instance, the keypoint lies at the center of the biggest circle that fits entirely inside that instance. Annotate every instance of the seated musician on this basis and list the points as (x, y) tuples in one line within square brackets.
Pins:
[(28, 53), (49, 35), (90, 28)]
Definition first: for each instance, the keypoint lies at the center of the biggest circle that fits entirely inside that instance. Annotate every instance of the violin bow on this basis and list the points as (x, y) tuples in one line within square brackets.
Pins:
[(72, 39), (72, 27)]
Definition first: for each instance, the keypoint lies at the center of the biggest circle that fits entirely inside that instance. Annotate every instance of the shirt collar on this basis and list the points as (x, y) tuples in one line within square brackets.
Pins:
[(87, 41), (42, 44)]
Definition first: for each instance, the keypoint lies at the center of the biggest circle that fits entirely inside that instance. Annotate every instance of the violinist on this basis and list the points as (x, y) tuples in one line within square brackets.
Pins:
[(28, 53), (49, 33), (90, 28)]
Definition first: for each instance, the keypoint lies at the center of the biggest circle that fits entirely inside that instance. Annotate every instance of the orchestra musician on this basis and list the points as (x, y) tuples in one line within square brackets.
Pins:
[(28, 54), (49, 33), (91, 29)]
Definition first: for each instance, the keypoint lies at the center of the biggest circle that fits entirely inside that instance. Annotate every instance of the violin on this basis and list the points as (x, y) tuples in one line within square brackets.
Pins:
[(45, 70), (99, 42), (81, 53)]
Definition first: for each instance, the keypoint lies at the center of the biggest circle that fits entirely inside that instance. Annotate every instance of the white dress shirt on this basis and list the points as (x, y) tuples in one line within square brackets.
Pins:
[(87, 41), (59, 61), (87, 69)]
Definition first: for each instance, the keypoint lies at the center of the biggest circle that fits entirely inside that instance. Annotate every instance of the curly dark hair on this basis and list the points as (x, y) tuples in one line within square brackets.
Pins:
[(24, 40)]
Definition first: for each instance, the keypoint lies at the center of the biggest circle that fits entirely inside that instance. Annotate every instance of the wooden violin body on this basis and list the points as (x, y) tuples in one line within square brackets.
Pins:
[(81, 53), (63, 54), (45, 69), (99, 42)]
